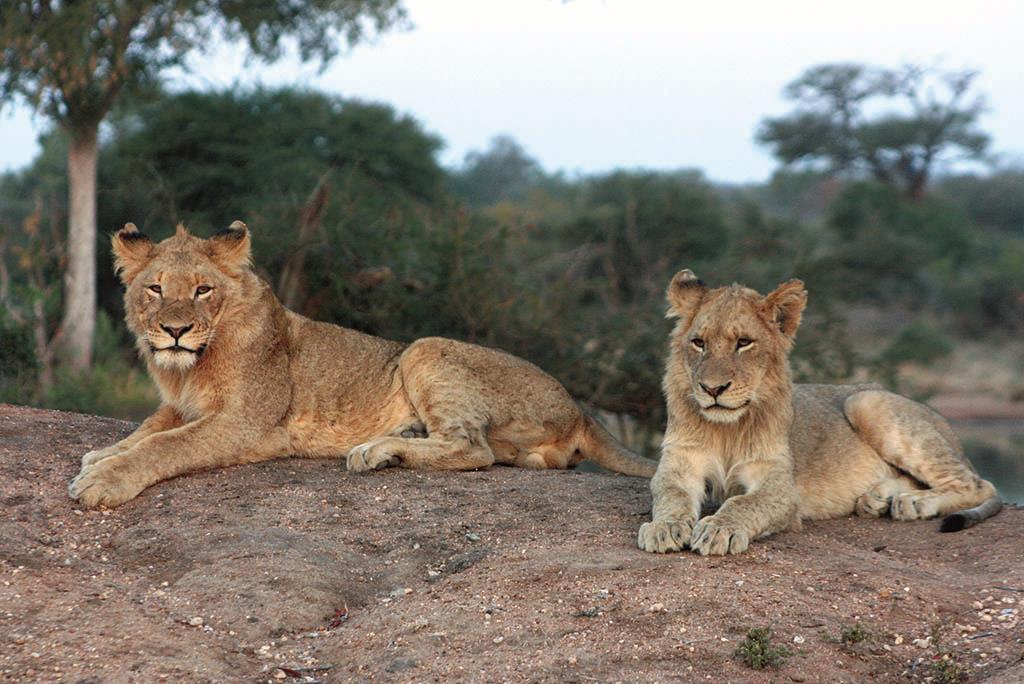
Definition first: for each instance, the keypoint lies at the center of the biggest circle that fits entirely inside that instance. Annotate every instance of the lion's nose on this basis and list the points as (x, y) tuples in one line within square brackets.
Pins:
[(176, 333), (714, 392)]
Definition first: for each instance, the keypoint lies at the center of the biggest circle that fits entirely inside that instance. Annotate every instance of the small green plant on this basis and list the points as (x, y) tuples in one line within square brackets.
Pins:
[(853, 635), (757, 653), (945, 670)]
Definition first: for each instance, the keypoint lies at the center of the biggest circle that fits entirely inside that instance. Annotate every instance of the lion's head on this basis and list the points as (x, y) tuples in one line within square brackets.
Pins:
[(731, 343), (177, 290)]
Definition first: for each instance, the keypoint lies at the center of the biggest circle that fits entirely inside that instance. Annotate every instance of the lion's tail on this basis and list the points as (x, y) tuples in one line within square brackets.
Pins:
[(961, 520), (598, 445)]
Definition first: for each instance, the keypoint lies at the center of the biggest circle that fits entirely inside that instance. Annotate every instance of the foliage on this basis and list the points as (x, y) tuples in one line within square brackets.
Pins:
[(639, 224), (994, 201), (920, 342), (927, 117), (503, 172), (946, 670), (71, 60), (112, 386), (853, 635), (355, 223), (196, 151), (888, 248), (377, 172), (988, 296), (756, 650), (18, 365)]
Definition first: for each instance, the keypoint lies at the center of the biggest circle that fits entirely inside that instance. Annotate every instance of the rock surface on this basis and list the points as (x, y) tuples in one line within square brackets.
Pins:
[(296, 571)]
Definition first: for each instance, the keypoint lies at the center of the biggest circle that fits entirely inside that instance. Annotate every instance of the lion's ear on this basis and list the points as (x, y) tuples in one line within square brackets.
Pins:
[(784, 306), (231, 248), (684, 295), (132, 251)]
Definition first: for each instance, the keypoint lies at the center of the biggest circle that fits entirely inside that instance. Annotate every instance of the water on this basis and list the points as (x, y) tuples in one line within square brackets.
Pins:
[(996, 448)]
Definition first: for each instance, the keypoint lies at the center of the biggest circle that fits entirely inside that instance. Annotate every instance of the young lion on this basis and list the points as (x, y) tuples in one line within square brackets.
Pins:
[(243, 379), (775, 453)]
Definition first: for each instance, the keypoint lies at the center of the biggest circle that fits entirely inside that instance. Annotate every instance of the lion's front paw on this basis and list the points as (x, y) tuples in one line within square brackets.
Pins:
[(372, 456), (98, 455), (664, 536), (713, 537), (105, 483), (914, 506)]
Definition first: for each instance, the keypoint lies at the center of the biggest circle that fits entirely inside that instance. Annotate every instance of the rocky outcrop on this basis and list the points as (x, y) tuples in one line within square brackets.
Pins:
[(297, 571)]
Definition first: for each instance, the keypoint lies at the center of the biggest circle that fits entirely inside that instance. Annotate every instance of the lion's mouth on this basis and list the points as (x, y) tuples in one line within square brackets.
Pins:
[(722, 407), (178, 349)]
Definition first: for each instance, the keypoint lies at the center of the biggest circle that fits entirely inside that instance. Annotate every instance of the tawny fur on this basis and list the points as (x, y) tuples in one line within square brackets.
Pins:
[(773, 453), (242, 379)]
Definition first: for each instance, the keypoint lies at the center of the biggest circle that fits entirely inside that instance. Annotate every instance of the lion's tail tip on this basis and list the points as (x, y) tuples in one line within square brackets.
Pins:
[(961, 520), (603, 449)]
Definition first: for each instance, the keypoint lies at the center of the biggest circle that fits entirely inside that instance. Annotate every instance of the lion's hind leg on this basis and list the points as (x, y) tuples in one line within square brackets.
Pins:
[(876, 501), (455, 448), (915, 440)]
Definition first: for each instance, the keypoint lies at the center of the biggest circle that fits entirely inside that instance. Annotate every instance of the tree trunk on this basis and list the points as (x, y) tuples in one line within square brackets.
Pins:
[(79, 322), (916, 185)]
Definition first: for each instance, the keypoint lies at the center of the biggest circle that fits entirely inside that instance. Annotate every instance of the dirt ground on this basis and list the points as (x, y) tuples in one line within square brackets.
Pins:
[(295, 571)]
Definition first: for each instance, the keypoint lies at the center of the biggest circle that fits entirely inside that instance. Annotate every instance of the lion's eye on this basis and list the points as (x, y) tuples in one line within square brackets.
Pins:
[(743, 343), (698, 343), (203, 289), (155, 289)]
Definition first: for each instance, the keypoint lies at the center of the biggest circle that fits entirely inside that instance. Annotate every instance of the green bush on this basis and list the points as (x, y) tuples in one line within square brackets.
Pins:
[(18, 365), (113, 389), (113, 386), (757, 653), (853, 635), (920, 342)]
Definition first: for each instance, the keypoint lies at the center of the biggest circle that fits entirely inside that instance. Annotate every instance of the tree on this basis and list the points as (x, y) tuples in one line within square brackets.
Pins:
[(641, 223), (328, 181), (995, 201), (502, 172), (926, 118), (71, 61)]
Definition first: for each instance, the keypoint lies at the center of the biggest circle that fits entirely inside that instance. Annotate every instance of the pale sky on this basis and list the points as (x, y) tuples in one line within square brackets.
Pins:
[(591, 85)]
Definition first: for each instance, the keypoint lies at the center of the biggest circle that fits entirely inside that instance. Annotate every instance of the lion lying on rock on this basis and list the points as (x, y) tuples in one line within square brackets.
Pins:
[(774, 453), (242, 379)]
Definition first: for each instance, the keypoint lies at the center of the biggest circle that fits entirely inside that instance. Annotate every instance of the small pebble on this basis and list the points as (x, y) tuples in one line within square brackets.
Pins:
[(196, 621)]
